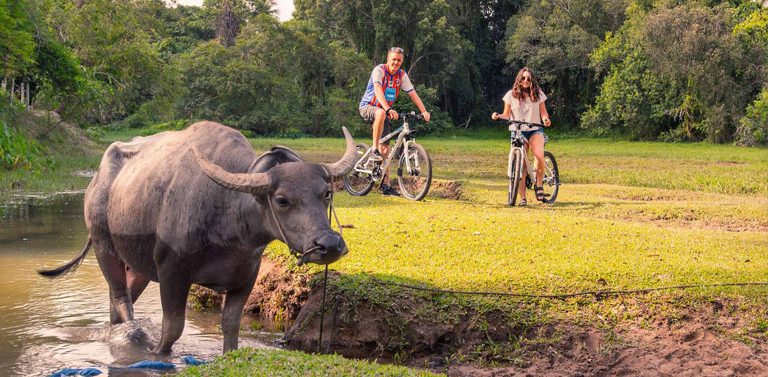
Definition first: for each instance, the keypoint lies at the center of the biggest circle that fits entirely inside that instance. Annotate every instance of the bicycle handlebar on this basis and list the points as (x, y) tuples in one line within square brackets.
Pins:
[(520, 122), (411, 114)]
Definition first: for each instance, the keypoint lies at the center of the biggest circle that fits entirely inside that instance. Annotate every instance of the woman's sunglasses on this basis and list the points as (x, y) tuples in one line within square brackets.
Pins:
[(524, 78)]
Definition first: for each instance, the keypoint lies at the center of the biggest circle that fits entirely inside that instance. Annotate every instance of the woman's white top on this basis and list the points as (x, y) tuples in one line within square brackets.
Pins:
[(525, 110)]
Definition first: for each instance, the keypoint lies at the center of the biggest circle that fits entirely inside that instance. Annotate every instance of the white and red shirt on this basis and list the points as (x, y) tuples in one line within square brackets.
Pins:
[(391, 83)]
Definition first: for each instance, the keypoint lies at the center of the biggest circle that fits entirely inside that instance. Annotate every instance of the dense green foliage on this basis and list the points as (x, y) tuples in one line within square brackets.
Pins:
[(16, 150), (645, 69), (677, 71)]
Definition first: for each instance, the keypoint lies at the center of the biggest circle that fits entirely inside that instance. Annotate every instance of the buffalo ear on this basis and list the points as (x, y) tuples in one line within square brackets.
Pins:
[(251, 183), (345, 164)]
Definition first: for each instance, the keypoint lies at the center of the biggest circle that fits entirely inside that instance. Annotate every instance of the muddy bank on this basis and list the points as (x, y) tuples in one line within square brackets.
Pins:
[(444, 334), (713, 339), (277, 295)]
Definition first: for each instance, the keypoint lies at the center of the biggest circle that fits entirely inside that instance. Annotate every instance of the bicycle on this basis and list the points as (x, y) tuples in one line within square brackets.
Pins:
[(414, 170), (519, 158)]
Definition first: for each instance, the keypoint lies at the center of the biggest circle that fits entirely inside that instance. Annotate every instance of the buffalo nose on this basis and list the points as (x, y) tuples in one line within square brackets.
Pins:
[(332, 243)]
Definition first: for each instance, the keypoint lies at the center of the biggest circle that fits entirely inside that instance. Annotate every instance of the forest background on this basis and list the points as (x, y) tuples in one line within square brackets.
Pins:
[(669, 70)]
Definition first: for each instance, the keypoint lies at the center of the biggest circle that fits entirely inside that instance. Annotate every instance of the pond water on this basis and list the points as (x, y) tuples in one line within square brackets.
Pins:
[(47, 325)]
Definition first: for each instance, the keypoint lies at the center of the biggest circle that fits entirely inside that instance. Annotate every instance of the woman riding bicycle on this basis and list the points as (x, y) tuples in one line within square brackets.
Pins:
[(525, 102)]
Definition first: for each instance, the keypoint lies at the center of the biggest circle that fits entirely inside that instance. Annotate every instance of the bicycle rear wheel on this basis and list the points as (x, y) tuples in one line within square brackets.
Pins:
[(551, 181), (516, 169), (414, 172), (355, 182)]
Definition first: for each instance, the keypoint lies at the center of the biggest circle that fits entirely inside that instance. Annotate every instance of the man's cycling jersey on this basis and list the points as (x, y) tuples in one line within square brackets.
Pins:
[(391, 83)]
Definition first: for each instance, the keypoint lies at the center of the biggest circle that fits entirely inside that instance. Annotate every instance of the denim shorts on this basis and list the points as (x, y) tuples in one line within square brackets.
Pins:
[(528, 134)]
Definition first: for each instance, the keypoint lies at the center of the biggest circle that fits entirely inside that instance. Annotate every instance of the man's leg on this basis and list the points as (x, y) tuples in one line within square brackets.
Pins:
[(384, 149), (378, 127)]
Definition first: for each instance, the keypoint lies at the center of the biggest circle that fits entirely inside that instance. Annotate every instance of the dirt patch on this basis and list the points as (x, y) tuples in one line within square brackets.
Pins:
[(703, 340), (689, 349), (445, 189), (47, 127), (690, 218)]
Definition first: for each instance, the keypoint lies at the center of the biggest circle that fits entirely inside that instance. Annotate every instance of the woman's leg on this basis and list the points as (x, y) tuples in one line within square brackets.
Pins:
[(536, 143), (521, 185)]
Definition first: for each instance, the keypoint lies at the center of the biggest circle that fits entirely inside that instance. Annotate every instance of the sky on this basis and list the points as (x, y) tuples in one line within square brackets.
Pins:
[(284, 7)]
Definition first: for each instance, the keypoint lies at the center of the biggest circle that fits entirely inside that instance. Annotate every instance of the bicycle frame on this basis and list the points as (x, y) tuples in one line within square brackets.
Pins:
[(520, 142), (403, 141)]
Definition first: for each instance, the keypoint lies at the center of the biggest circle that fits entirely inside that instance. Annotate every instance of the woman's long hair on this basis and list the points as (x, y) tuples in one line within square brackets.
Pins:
[(532, 92)]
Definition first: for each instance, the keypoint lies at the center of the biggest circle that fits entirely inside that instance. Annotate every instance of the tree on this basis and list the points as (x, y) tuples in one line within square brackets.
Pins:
[(276, 79), (555, 39), (16, 38), (118, 44), (676, 73)]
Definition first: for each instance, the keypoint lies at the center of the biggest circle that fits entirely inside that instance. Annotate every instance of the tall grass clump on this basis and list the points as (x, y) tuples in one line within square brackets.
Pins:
[(16, 150)]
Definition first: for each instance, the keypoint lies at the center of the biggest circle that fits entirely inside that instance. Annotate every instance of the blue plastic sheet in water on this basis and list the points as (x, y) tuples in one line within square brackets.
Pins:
[(148, 364), (76, 372), (190, 360)]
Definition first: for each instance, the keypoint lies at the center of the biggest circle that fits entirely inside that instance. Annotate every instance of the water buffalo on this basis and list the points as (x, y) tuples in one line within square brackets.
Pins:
[(198, 206)]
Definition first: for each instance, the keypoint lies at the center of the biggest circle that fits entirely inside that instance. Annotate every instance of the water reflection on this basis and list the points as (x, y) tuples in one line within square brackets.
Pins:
[(46, 325)]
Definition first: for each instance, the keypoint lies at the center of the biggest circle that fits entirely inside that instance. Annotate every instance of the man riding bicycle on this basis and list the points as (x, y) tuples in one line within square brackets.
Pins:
[(376, 106)]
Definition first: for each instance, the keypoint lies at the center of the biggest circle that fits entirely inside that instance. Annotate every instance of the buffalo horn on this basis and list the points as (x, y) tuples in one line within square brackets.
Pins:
[(243, 182), (345, 164)]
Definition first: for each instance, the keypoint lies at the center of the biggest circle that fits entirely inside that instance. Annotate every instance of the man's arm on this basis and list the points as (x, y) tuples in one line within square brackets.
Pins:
[(420, 105)]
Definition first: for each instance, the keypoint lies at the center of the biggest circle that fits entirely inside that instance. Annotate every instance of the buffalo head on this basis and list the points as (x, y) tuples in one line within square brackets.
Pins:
[(294, 197)]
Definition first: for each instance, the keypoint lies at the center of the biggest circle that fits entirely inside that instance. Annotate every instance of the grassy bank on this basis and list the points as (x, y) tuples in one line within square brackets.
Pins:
[(253, 363), (628, 216)]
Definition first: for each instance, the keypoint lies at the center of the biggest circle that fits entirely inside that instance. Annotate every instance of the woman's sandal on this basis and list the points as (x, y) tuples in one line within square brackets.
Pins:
[(539, 193), (522, 203)]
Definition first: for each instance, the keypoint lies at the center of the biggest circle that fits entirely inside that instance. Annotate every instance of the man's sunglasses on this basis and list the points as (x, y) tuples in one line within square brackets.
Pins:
[(396, 49)]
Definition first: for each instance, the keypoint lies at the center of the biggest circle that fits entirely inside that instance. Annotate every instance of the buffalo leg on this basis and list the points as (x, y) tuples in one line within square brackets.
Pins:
[(173, 296), (230, 316), (136, 283), (233, 311), (113, 269)]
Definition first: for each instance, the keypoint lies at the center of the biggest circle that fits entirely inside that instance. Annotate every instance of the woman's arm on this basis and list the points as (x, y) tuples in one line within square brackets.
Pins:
[(544, 115), (506, 115)]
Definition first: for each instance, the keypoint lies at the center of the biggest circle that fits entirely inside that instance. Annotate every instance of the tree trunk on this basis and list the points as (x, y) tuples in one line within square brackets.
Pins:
[(29, 100), (22, 92), (13, 88), (5, 81)]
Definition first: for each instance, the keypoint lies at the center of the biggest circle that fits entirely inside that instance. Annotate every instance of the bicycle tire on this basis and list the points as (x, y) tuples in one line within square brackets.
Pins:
[(516, 162), (355, 182), (551, 181), (414, 183)]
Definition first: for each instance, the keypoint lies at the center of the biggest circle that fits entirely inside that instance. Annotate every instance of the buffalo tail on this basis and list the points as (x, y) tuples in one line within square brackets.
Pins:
[(71, 266)]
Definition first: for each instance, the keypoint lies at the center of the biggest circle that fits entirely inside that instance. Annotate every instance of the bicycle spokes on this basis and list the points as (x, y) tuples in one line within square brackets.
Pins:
[(414, 172), (359, 181), (551, 181)]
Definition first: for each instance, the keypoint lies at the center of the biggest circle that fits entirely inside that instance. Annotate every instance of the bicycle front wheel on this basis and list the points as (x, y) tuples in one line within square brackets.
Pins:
[(414, 173), (515, 171), (355, 182), (551, 181)]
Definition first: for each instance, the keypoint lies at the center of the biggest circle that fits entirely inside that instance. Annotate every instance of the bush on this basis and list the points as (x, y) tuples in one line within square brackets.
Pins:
[(753, 127), (17, 151)]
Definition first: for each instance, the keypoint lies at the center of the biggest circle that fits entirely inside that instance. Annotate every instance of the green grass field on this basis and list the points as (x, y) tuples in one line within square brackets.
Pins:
[(633, 214), (629, 215)]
